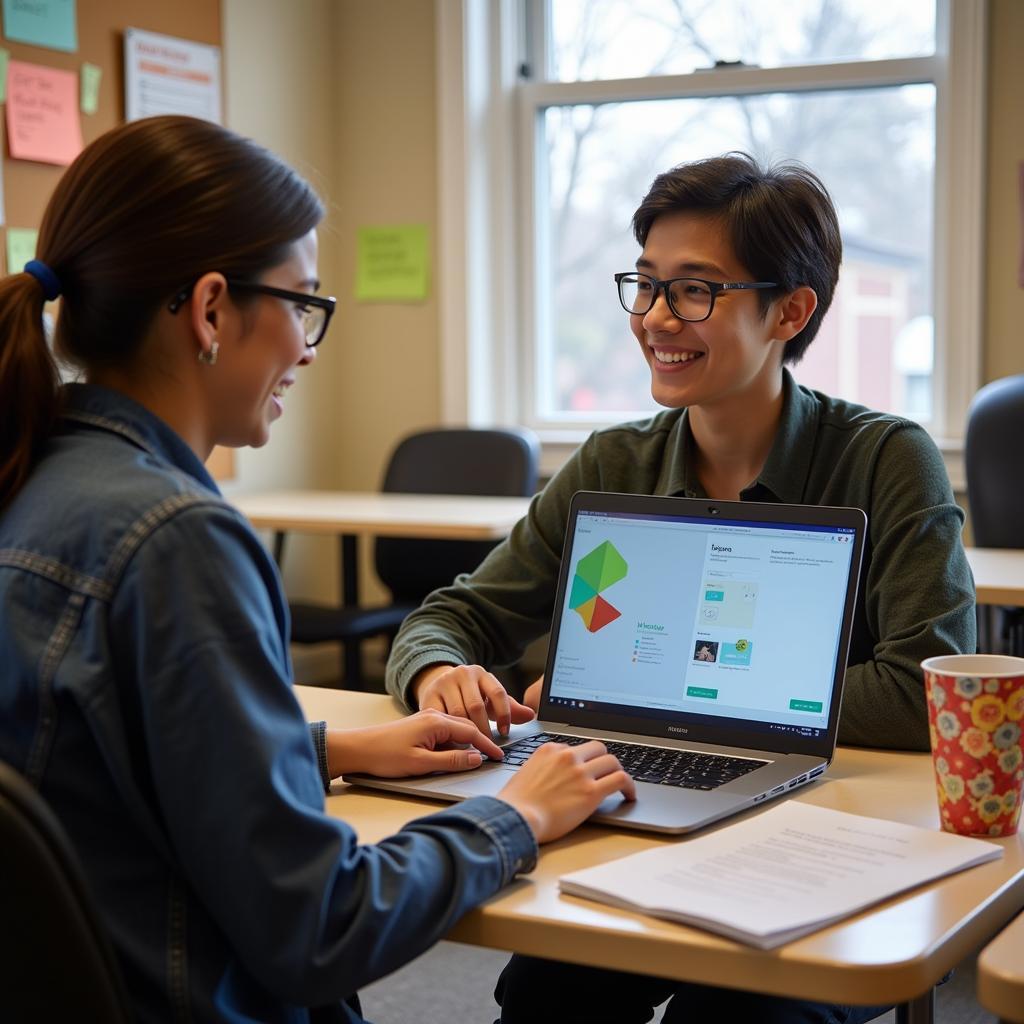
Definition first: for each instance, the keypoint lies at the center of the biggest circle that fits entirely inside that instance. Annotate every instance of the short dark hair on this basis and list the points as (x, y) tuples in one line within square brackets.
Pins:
[(780, 220)]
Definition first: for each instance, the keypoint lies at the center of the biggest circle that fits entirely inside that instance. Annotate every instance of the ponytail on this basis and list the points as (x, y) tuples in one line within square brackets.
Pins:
[(28, 381), (142, 211)]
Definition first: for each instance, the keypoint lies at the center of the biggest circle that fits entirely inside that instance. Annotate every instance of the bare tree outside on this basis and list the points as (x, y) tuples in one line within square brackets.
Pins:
[(874, 148)]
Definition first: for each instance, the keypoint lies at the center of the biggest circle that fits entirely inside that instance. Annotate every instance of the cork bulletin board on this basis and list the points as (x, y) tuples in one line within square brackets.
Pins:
[(27, 184)]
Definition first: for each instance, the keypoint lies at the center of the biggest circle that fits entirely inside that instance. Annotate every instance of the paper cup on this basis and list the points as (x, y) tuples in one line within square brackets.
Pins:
[(976, 721)]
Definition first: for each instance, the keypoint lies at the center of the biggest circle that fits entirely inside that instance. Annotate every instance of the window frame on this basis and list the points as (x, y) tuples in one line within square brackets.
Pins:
[(490, 253)]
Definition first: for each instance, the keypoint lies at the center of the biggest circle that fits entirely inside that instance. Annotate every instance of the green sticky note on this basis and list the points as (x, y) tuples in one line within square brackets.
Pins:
[(89, 88), (4, 58), (392, 264), (21, 247), (49, 23)]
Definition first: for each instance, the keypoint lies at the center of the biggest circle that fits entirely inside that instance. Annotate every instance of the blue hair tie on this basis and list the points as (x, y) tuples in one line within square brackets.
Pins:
[(46, 277)]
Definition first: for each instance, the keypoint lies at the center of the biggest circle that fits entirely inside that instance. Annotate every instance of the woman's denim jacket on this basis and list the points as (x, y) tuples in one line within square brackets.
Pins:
[(145, 689)]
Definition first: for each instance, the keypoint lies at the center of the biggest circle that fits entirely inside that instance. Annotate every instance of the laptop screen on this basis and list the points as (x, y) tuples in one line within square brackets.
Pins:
[(702, 620)]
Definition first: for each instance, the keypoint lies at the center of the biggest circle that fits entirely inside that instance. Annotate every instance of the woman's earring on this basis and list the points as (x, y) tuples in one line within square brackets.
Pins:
[(209, 357)]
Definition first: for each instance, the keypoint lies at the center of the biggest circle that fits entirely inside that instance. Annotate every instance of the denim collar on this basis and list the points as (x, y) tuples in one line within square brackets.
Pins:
[(784, 475), (104, 409)]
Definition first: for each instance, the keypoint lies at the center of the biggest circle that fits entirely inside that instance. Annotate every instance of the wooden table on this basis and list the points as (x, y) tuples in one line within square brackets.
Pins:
[(894, 953), (998, 581), (1001, 973), (444, 516), (352, 515), (998, 575)]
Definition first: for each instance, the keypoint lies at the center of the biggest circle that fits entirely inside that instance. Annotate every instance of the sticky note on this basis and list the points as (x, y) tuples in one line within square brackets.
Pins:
[(392, 263), (49, 23), (5, 56), (90, 76), (42, 113), (21, 247)]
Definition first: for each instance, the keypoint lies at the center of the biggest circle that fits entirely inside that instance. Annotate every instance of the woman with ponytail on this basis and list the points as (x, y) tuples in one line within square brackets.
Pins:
[(145, 682)]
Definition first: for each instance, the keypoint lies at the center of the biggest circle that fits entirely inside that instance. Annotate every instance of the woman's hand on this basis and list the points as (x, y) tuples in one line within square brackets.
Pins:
[(469, 691), (425, 742), (560, 786)]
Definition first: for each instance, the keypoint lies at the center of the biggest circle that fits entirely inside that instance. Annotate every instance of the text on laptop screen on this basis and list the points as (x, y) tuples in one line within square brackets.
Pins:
[(705, 617)]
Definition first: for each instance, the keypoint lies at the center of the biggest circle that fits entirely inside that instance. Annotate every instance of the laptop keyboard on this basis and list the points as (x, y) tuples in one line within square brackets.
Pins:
[(663, 766)]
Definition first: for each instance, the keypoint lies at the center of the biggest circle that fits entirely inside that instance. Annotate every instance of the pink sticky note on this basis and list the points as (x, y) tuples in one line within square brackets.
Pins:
[(42, 113)]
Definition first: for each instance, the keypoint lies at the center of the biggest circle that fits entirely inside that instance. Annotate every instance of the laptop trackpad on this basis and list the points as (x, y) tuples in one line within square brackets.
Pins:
[(478, 783), (489, 783)]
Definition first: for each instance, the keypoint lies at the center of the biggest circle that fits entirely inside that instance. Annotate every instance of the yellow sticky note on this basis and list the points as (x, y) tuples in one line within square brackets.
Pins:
[(21, 247), (5, 56), (392, 263), (89, 88)]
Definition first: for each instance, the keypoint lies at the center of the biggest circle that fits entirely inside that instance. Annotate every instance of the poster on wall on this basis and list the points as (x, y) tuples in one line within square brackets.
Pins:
[(164, 75)]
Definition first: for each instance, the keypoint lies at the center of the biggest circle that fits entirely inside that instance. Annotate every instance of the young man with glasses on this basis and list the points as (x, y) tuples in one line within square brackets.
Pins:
[(737, 269)]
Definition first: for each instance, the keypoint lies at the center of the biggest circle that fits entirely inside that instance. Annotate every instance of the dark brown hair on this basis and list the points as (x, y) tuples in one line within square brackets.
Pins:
[(780, 220), (143, 211)]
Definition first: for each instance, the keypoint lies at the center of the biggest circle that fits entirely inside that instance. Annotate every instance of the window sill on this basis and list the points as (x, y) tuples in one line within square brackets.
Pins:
[(558, 445)]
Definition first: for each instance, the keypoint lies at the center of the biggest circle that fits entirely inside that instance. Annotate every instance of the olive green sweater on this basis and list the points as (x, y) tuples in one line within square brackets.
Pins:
[(916, 595)]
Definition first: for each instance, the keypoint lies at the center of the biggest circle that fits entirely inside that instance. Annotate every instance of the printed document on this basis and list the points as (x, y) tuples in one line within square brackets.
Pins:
[(787, 872)]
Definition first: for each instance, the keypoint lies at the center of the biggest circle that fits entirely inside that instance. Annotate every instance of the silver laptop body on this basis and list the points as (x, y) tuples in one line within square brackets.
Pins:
[(692, 626)]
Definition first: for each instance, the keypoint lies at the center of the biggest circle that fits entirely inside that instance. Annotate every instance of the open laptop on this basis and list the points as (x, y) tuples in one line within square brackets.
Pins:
[(705, 642)]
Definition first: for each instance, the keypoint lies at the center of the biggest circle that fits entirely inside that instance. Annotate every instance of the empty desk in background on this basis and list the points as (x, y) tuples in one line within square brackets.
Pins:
[(1001, 973), (352, 515), (896, 952), (998, 582), (998, 575)]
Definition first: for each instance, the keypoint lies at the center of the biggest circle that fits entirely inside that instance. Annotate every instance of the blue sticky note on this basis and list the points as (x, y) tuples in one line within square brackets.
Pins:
[(49, 23)]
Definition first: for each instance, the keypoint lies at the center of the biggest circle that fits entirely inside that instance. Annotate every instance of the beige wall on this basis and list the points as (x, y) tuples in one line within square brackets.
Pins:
[(345, 92), (353, 107), (385, 120), (1004, 296), (279, 66)]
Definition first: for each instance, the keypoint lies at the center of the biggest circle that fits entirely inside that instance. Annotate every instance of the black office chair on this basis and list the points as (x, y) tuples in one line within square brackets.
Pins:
[(57, 963), (994, 460), (446, 461)]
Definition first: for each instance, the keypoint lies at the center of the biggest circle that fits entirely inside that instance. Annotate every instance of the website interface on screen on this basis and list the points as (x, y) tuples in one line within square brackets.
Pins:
[(704, 617)]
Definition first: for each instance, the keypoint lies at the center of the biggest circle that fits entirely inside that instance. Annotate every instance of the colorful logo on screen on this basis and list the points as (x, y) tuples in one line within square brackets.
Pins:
[(595, 573)]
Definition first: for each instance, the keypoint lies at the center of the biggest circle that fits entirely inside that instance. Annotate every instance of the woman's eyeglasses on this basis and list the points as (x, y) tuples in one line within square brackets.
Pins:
[(316, 309)]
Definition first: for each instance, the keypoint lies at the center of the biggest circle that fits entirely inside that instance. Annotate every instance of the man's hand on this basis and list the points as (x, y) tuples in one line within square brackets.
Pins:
[(425, 742), (469, 691), (532, 696)]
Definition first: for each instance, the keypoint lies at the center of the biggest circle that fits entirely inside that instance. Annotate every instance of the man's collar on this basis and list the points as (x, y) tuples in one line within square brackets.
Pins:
[(789, 461), (785, 470)]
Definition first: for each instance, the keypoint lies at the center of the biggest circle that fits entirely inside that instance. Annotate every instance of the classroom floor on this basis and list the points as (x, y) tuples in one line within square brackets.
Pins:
[(455, 982)]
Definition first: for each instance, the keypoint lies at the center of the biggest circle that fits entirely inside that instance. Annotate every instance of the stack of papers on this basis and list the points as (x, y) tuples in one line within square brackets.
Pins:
[(772, 878)]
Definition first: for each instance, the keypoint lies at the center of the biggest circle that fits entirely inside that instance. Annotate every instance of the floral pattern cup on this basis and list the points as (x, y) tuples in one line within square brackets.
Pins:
[(975, 720)]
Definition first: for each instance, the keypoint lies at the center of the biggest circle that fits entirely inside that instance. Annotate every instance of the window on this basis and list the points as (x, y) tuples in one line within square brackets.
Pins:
[(569, 108)]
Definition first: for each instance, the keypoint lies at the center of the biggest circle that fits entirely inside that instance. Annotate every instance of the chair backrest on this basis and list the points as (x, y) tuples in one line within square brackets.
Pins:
[(57, 963), (451, 461), (994, 460)]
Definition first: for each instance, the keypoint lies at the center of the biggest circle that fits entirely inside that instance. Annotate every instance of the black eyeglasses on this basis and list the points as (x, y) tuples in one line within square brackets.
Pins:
[(316, 309), (688, 298)]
